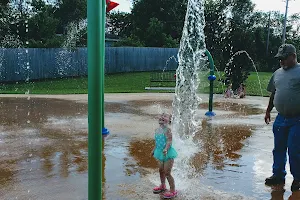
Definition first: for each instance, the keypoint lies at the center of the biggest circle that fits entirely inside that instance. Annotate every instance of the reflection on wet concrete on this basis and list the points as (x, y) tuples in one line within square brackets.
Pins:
[(278, 191), (43, 151), (134, 107), (119, 169), (46, 140), (119, 108), (221, 146), (222, 163), (242, 109), (6, 172), (140, 151), (295, 196), (25, 112), (33, 148)]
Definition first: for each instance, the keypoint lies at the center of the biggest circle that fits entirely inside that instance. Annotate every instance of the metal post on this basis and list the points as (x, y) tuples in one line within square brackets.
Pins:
[(285, 19), (96, 45), (211, 78), (268, 39)]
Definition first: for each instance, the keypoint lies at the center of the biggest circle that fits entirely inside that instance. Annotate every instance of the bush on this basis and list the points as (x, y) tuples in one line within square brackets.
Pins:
[(238, 69)]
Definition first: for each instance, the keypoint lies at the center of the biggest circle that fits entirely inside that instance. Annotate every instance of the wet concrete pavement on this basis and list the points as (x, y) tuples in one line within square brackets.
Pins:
[(43, 148)]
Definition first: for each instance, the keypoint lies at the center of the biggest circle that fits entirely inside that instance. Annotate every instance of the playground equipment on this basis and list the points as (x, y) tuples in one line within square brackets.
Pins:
[(211, 78), (96, 57)]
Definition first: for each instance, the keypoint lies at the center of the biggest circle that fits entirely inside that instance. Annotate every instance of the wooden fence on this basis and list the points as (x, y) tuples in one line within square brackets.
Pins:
[(38, 63)]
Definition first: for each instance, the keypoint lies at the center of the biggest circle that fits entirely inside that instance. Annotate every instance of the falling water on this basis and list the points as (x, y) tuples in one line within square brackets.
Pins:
[(1, 59), (191, 59), (64, 56), (219, 75), (74, 32), (27, 65), (168, 61), (185, 104), (185, 122), (246, 53), (186, 101)]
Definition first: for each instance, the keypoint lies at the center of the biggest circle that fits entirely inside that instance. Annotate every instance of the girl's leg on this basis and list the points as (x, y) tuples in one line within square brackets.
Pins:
[(162, 187), (162, 173), (167, 169)]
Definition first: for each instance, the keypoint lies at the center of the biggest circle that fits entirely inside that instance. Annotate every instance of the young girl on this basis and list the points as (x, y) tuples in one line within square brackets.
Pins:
[(228, 93), (165, 154), (242, 91)]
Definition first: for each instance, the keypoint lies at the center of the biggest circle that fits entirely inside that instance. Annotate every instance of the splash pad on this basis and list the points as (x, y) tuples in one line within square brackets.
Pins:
[(191, 59)]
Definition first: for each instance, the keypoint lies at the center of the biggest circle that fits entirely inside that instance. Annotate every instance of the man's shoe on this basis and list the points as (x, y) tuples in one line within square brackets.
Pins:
[(273, 180), (295, 186)]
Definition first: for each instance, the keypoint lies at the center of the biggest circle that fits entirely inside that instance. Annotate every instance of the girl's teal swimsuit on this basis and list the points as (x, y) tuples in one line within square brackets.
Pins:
[(160, 144)]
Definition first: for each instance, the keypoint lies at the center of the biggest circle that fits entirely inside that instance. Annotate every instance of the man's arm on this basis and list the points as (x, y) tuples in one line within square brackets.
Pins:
[(271, 103), (269, 109)]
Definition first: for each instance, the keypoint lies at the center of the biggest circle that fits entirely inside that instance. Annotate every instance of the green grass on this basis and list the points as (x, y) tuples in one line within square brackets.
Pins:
[(253, 87), (57, 86), (127, 82), (123, 83)]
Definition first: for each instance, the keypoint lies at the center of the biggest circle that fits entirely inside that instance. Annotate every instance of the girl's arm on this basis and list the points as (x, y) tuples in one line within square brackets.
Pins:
[(152, 152), (169, 139)]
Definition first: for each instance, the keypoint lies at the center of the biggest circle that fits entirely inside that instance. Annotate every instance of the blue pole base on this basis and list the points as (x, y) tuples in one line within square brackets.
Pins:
[(210, 114), (105, 132), (211, 77)]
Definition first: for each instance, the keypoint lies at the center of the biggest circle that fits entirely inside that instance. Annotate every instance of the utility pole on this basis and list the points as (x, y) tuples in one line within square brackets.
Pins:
[(268, 39), (284, 25)]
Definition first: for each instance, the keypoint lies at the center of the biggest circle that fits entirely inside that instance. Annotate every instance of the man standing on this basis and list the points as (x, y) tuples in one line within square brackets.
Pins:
[(285, 96)]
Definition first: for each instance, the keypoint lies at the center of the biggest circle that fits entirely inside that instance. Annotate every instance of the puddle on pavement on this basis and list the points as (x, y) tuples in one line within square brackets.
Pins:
[(223, 163), (221, 146), (136, 107), (242, 109), (119, 168), (34, 150), (43, 146), (44, 152), (140, 151), (22, 112), (133, 107)]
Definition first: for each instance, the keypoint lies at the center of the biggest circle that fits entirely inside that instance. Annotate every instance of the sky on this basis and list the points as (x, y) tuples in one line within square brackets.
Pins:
[(264, 5)]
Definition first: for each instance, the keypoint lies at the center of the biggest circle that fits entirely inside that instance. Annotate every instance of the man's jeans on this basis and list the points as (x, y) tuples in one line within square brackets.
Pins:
[(286, 135)]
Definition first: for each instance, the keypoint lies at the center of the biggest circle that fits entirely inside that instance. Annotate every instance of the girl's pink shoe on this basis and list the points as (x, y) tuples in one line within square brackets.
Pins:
[(169, 194), (159, 189)]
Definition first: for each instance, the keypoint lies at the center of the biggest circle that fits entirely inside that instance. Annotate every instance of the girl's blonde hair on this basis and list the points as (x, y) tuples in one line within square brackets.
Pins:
[(169, 116)]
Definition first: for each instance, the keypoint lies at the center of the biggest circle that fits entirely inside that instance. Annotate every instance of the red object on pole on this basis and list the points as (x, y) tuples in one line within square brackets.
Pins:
[(110, 5)]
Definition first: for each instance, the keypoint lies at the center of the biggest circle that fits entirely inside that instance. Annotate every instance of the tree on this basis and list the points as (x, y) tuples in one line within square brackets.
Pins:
[(43, 25), (68, 11), (216, 22), (156, 37), (170, 16), (238, 69), (294, 22), (131, 41), (118, 23), (4, 23), (17, 22), (239, 28)]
